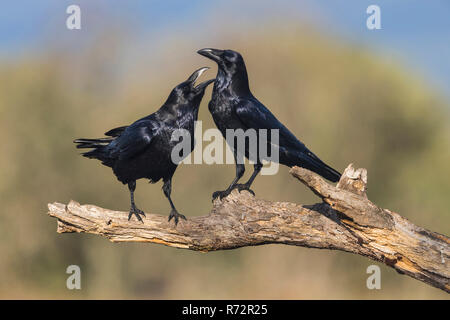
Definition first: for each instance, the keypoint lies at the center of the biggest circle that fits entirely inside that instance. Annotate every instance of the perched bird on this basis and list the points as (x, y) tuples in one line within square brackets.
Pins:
[(143, 149), (233, 106)]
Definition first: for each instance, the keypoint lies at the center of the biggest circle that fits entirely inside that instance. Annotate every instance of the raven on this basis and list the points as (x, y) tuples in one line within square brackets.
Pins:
[(143, 149), (233, 106)]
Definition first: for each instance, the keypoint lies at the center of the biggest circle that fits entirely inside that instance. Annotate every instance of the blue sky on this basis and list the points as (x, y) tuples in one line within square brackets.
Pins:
[(416, 32)]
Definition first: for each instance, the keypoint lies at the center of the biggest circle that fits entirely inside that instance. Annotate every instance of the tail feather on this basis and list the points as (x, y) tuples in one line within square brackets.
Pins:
[(99, 149), (92, 143), (311, 162)]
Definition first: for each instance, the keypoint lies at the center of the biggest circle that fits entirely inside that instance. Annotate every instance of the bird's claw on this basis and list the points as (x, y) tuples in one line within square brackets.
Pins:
[(226, 193), (220, 194), (174, 214), (244, 186), (137, 212)]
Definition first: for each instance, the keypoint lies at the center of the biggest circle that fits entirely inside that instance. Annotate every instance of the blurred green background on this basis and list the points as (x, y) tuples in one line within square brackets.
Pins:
[(347, 103)]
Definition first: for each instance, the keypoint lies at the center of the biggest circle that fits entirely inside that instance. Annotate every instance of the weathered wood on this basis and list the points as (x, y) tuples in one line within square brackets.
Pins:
[(346, 221)]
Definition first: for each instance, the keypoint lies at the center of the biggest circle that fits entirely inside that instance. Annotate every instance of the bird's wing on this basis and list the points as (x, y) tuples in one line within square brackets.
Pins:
[(253, 114), (134, 139)]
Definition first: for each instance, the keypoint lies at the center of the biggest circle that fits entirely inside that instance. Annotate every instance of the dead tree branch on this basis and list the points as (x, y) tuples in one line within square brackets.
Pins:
[(346, 220)]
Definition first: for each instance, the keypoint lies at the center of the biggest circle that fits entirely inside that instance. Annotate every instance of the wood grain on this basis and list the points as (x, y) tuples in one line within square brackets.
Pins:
[(346, 220)]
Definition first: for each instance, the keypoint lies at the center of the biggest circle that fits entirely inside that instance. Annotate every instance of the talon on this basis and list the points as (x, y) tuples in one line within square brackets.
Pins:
[(220, 194), (175, 215), (246, 187), (215, 195), (137, 212), (251, 191)]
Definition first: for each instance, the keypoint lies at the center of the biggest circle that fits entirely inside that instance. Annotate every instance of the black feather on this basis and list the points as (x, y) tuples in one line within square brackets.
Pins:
[(233, 106)]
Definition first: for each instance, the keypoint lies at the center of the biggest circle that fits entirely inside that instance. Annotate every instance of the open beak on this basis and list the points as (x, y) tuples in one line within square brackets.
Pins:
[(196, 74), (213, 54), (204, 84)]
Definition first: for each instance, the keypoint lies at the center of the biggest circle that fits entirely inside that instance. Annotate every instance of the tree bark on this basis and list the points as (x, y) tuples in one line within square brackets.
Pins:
[(346, 220)]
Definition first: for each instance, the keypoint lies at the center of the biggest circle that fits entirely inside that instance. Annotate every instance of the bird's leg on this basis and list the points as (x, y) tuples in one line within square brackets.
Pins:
[(246, 186), (240, 169), (134, 210), (167, 189)]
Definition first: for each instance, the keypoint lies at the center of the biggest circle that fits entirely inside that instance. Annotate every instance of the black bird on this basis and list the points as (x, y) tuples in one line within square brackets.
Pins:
[(233, 106), (143, 149)]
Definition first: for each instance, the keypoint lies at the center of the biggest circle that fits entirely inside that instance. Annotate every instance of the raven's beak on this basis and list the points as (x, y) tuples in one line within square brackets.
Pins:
[(195, 75), (213, 54), (204, 84)]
